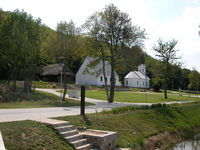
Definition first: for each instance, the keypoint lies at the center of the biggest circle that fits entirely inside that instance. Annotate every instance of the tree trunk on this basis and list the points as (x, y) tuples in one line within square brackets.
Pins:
[(104, 75), (112, 80), (166, 74), (165, 89), (65, 85)]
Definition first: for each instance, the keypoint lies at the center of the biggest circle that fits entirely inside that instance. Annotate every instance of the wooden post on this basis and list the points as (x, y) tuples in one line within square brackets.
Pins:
[(82, 100)]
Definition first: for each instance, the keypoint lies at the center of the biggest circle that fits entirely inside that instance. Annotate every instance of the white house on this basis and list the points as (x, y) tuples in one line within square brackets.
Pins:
[(94, 76), (138, 78)]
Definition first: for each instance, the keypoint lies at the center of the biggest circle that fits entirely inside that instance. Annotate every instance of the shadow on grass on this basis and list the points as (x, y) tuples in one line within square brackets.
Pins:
[(85, 118)]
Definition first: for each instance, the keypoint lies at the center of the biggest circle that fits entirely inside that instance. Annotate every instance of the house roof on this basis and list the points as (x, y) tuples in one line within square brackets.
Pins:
[(136, 75), (52, 70), (98, 68)]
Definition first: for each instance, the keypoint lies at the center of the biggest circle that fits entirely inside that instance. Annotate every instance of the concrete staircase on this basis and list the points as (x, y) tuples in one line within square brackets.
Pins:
[(69, 133)]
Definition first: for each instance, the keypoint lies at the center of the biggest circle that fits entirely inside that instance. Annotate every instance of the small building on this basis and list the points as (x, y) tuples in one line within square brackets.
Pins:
[(137, 79), (94, 75), (52, 73)]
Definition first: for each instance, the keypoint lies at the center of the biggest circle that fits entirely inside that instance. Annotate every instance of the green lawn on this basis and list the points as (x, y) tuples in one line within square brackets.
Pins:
[(30, 135), (40, 99), (134, 126), (138, 97)]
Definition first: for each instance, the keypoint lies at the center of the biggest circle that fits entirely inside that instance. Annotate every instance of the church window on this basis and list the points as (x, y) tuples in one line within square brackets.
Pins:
[(101, 78)]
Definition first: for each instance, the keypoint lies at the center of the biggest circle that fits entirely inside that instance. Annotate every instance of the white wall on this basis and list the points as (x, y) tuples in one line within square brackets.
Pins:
[(100, 83), (88, 79), (137, 83)]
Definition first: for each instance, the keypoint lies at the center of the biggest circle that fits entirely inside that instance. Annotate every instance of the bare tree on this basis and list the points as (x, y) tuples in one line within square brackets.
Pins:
[(166, 52)]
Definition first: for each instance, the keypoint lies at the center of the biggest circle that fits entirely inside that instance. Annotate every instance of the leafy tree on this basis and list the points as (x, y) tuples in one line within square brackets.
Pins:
[(67, 34), (194, 78), (113, 31), (19, 45), (156, 84), (129, 61), (167, 54), (63, 42), (185, 78)]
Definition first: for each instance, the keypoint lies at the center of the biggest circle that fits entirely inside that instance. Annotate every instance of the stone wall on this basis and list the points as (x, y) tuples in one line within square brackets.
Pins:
[(103, 140)]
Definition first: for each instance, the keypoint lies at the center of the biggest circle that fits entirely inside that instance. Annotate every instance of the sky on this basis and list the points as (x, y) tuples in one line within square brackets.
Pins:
[(165, 19)]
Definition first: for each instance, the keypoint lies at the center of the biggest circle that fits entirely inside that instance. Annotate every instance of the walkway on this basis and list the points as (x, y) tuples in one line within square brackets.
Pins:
[(39, 113)]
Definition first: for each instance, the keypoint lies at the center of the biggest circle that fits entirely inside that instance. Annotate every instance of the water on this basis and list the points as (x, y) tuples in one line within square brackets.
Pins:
[(189, 145)]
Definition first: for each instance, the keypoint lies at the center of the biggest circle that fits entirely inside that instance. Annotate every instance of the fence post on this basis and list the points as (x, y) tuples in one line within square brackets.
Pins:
[(82, 100)]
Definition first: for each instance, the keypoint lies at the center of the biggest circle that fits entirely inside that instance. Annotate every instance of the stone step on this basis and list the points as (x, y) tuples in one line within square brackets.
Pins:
[(69, 133), (74, 137), (64, 128), (52, 122), (61, 124), (84, 147), (79, 142)]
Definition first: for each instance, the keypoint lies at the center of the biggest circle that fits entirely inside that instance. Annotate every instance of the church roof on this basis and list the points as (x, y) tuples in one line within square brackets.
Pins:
[(97, 68), (136, 75)]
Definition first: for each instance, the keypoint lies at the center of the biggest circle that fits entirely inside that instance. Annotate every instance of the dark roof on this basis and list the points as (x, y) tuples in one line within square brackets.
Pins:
[(53, 70)]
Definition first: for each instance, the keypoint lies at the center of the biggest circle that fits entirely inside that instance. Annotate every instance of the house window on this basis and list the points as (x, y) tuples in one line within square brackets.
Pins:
[(137, 82), (126, 82), (101, 78)]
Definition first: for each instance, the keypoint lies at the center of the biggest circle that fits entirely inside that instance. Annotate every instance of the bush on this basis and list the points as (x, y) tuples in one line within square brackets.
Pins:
[(6, 91), (156, 84)]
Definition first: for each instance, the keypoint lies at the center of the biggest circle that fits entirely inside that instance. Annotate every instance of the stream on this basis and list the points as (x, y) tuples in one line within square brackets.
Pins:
[(188, 145)]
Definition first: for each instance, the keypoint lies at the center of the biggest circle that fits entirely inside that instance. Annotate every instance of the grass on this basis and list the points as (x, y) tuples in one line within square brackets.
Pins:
[(44, 84), (139, 97), (135, 125), (30, 135), (40, 99)]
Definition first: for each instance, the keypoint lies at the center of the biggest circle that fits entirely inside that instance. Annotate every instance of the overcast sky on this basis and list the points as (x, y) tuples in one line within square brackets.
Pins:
[(167, 19)]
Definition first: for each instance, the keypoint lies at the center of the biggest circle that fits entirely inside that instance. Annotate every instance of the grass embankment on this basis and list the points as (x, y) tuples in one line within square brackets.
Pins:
[(38, 99), (30, 135), (134, 125), (139, 97)]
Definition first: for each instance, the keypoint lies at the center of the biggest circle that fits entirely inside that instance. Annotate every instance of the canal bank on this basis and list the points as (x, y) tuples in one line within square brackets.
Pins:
[(156, 127)]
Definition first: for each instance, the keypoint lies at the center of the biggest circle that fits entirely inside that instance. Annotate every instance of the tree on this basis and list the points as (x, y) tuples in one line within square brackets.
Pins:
[(167, 54), (156, 84), (67, 34), (113, 32), (19, 45), (129, 61), (63, 42), (194, 78)]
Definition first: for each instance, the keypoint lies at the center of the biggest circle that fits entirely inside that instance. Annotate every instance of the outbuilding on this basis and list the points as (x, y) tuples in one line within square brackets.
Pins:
[(137, 79), (53, 73)]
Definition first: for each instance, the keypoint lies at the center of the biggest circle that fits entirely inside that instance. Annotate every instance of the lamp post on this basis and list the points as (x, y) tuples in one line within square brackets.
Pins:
[(197, 88), (61, 62), (146, 88)]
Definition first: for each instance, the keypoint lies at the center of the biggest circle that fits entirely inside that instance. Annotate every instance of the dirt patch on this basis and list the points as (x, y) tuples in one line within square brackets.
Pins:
[(161, 141)]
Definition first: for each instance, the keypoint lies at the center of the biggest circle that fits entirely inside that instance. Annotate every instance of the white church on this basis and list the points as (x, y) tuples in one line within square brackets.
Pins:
[(137, 79), (94, 76)]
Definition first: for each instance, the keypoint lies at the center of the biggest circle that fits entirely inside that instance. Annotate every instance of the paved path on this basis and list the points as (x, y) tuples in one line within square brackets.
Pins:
[(39, 113)]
